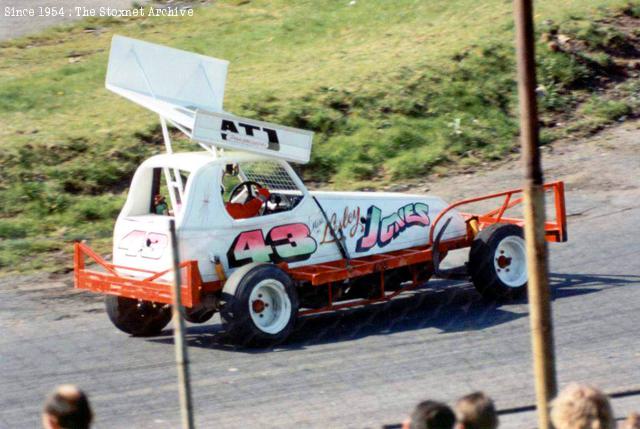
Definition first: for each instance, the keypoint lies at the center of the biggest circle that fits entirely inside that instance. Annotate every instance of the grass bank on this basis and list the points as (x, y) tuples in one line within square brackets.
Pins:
[(394, 90)]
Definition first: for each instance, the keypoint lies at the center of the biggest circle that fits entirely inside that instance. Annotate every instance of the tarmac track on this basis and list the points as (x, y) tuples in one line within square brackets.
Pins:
[(363, 367)]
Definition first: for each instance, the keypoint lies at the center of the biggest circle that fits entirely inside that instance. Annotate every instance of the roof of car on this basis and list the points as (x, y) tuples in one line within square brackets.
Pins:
[(191, 161)]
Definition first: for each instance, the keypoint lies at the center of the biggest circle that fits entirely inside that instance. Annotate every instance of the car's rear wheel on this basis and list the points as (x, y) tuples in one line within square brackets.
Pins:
[(198, 314), (202, 312), (497, 262), (137, 317), (260, 305)]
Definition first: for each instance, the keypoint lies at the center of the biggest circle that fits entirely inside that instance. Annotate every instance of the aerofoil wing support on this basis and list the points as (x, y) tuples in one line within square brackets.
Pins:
[(187, 90)]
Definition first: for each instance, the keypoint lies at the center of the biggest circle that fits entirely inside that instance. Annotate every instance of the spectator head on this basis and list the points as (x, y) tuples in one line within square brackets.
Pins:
[(67, 407), (476, 411), (581, 407), (430, 415), (632, 422)]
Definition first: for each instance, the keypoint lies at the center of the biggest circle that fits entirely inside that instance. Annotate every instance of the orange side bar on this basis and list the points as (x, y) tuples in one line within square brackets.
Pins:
[(329, 272)]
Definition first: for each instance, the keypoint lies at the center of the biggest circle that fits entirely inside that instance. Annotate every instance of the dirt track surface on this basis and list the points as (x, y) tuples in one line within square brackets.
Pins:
[(363, 367)]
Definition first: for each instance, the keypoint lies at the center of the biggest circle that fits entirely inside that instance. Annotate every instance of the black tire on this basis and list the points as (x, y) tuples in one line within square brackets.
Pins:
[(497, 262), (138, 318), (273, 288), (198, 314)]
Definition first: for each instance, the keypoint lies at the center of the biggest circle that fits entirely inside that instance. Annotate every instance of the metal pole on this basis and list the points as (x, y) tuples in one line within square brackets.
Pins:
[(534, 215), (182, 358)]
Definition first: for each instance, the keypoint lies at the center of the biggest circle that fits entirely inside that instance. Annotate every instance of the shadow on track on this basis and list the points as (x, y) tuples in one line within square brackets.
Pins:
[(444, 305), (568, 285)]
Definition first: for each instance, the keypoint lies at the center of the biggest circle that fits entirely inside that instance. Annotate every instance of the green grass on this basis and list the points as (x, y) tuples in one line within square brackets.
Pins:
[(606, 110), (392, 89)]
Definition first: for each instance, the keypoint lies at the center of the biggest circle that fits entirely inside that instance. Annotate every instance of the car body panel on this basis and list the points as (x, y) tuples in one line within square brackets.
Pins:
[(371, 222)]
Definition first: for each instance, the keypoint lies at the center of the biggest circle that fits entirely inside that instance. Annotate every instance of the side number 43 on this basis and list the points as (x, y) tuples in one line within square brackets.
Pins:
[(288, 243)]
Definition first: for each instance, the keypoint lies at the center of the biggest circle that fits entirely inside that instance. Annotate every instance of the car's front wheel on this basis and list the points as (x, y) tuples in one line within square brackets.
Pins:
[(497, 262)]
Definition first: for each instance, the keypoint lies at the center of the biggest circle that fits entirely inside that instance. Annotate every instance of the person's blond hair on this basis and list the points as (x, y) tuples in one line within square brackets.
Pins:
[(476, 411), (632, 422), (579, 406)]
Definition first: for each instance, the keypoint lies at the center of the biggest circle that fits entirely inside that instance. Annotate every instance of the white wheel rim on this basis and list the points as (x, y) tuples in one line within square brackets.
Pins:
[(270, 306), (510, 261)]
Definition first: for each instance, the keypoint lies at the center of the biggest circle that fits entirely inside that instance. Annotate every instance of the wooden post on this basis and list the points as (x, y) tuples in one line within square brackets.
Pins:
[(534, 215), (182, 358)]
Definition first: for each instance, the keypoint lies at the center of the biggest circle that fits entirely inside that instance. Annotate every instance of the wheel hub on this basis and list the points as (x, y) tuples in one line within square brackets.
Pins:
[(258, 305), (510, 261), (503, 261), (269, 306)]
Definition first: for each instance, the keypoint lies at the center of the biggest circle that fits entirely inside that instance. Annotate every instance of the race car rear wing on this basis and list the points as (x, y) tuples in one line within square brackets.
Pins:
[(187, 90), (167, 81)]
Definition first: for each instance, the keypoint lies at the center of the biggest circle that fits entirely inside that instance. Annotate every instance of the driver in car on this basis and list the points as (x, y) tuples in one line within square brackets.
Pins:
[(251, 207), (253, 204)]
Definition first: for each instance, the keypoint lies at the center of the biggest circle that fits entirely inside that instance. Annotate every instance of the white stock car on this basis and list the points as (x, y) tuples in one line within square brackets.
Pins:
[(254, 243)]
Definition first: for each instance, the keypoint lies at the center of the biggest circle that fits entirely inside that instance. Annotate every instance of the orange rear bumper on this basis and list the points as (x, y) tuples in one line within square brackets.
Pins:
[(147, 286)]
